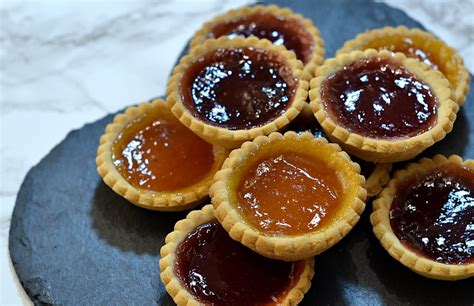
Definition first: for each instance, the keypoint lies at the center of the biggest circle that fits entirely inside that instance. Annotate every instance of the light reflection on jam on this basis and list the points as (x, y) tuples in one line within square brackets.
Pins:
[(378, 98), (434, 215), (161, 155), (289, 193), (279, 30), (238, 88), (220, 271)]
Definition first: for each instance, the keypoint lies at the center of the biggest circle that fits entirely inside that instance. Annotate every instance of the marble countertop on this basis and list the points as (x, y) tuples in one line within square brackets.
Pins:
[(65, 64)]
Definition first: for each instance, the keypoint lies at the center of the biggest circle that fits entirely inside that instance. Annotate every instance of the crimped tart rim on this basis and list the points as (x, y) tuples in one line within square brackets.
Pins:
[(460, 89), (222, 136), (317, 56), (379, 177), (382, 229), (283, 247), (382, 150), (165, 201), (182, 228)]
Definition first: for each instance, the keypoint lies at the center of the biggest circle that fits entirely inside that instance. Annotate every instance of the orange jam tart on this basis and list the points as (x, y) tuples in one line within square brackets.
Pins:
[(156, 160), (231, 90), (289, 193), (278, 25), (381, 106), (201, 263), (160, 154), (420, 45), (425, 216), (288, 197)]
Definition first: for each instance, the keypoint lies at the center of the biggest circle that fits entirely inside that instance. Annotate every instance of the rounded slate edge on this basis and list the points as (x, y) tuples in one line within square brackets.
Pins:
[(133, 236)]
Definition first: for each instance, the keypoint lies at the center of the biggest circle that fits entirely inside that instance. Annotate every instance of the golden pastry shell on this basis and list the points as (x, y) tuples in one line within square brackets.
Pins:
[(222, 136), (380, 220), (178, 292), (164, 201), (448, 55), (385, 150), (284, 247), (377, 179), (317, 56)]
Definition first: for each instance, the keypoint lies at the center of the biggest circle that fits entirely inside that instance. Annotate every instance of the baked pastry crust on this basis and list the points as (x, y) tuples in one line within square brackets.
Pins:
[(287, 247), (164, 201), (448, 57), (381, 224), (317, 56), (222, 136), (180, 295), (377, 179), (385, 150)]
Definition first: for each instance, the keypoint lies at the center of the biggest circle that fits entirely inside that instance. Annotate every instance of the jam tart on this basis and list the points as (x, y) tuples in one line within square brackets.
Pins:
[(376, 174), (281, 26), (288, 197), (147, 156), (424, 217), (420, 45), (382, 106), (201, 265), (229, 91)]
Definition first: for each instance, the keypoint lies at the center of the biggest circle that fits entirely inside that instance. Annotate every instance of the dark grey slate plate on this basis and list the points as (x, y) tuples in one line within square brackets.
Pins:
[(74, 241)]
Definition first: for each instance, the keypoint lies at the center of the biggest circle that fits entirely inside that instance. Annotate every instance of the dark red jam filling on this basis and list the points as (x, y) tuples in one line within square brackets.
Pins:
[(279, 30), (378, 98), (434, 214), (220, 271), (238, 88)]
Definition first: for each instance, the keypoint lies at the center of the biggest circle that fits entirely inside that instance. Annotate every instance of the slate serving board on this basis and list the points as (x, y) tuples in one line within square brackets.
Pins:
[(74, 241)]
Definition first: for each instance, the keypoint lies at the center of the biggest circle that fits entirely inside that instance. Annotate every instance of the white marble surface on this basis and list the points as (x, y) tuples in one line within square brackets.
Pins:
[(64, 64)]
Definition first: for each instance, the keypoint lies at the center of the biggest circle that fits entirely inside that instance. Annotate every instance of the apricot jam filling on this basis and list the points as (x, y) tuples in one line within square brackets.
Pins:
[(161, 155), (290, 193), (378, 98), (433, 214), (238, 88), (436, 54), (217, 270), (279, 30)]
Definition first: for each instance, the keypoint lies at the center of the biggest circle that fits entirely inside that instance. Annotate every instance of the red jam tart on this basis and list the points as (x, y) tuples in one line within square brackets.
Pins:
[(420, 45), (281, 26), (289, 196), (380, 106), (231, 90), (424, 218), (150, 158), (202, 265)]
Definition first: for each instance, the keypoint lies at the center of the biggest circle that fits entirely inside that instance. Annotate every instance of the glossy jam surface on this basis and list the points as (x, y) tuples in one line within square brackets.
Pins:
[(377, 98), (238, 88), (279, 30), (417, 47), (217, 270), (289, 193), (434, 214), (161, 155)]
